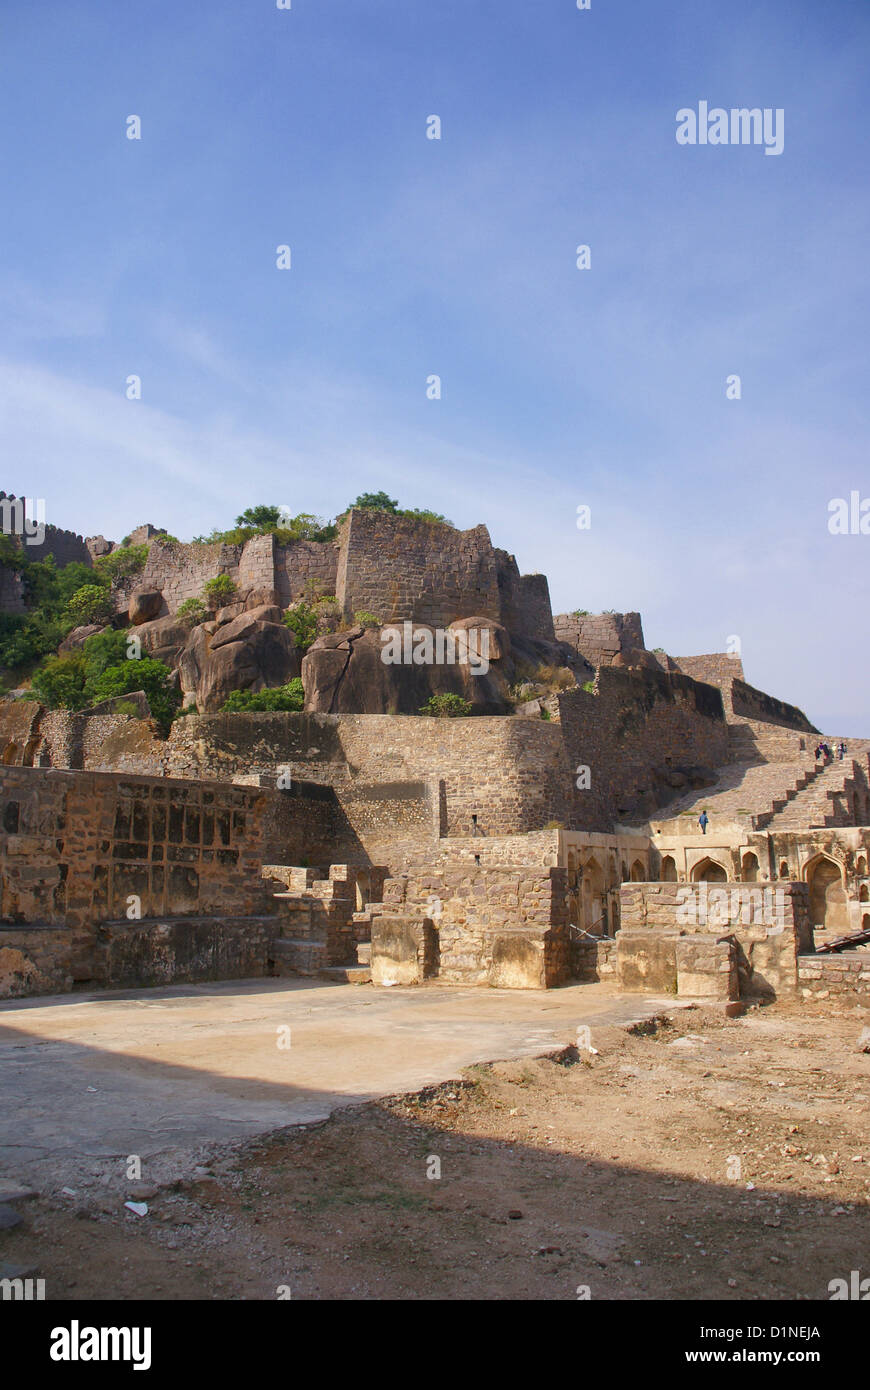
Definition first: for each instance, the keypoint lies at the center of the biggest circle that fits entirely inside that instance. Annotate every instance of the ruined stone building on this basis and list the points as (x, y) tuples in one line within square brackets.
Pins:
[(549, 835)]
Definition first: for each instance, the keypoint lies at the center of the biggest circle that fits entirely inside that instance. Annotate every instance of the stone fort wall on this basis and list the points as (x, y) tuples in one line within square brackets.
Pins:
[(630, 732), (511, 773), (76, 847), (601, 637), (400, 568), (65, 546), (741, 700)]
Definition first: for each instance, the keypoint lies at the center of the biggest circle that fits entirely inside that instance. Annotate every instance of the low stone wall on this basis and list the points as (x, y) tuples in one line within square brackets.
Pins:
[(174, 951), (506, 927), (404, 950), (769, 924), (842, 975)]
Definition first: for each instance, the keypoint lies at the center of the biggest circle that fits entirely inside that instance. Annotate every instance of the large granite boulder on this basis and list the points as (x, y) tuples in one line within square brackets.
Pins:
[(251, 651), (374, 671), (145, 604), (164, 639)]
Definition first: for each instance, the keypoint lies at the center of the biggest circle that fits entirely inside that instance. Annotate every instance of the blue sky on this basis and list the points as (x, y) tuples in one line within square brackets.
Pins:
[(412, 257)]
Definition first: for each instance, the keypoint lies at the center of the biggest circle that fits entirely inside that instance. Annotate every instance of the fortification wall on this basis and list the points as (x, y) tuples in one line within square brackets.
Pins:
[(716, 668), (741, 700), (525, 601), (511, 773), (630, 732), (80, 849), (302, 564), (180, 571), (400, 568), (750, 703), (65, 546), (601, 637)]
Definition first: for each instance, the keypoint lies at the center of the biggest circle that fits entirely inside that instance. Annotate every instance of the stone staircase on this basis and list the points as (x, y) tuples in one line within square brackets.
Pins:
[(774, 782), (748, 790), (321, 934), (825, 801)]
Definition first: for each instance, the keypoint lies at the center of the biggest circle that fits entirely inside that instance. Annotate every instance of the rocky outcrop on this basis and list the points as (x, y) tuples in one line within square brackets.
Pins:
[(354, 672), (77, 638), (250, 652), (145, 604), (239, 649)]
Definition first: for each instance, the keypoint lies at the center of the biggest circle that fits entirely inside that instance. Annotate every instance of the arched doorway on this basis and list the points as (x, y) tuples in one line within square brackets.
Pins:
[(593, 899), (668, 869), (784, 870), (709, 871), (861, 866), (829, 906), (864, 893), (638, 872), (750, 867)]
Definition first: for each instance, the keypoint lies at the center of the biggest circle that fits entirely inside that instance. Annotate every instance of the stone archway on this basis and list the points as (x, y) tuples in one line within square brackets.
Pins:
[(709, 871), (829, 907), (784, 870), (638, 872), (861, 866), (864, 893), (593, 898), (750, 867), (668, 872)]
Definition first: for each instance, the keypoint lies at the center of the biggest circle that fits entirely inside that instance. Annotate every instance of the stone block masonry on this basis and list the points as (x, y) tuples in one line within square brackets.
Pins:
[(601, 637), (399, 568), (845, 975), (505, 927), (655, 917), (180, 571), (78, 850), (512, 774), (628, 732), (741, 701)]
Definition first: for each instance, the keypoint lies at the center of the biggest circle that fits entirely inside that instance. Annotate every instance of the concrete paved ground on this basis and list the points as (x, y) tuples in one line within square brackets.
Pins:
[(86, 1079)]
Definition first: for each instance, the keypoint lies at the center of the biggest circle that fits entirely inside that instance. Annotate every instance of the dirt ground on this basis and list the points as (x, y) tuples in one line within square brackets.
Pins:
[(700, 1158)]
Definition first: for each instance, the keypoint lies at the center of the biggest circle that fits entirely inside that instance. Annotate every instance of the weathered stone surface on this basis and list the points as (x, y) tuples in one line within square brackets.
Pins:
[(404, 950), (245, 626), (164, 639), (79, 635), (345, 672), (145, 604), (250, 652)]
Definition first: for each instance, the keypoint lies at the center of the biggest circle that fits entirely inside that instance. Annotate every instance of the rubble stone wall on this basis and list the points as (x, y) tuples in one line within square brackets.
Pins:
[(80, 849)]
